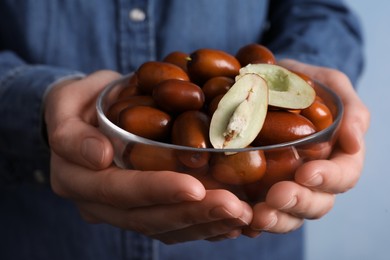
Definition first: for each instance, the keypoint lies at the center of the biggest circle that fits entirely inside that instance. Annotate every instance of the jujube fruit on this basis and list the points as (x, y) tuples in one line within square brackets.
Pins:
[(319, 114), (286, 89), (190, 129), (216, 86), (213, 105), (115, 109), (210, 98), (281, 166), (238, 168), (178, 58), (147, 122), (255, 53), (145, 157), (131, 89), (315, 151), (283, 126), (240, 113), (176, 96), (204, 64), (305, 77), (151, 73)]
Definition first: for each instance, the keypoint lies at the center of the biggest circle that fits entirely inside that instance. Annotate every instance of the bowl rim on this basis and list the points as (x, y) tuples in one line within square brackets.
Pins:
[(135, 138)]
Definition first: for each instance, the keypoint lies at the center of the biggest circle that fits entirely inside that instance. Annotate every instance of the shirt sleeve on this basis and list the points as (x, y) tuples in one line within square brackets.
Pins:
[(24, 153), (319, 32)]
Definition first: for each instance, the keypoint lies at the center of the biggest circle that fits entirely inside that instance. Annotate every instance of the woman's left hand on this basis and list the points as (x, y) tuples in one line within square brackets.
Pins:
[(312, 194)]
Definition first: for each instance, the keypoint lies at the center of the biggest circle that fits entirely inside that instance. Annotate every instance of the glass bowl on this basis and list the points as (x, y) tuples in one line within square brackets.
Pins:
[(209, 164)]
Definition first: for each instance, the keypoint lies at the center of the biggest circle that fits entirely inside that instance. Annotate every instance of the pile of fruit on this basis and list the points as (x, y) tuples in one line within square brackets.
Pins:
[(212, 99)]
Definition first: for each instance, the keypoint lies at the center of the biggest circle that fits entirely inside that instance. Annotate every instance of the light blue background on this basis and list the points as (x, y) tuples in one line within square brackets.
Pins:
[(358, 227)]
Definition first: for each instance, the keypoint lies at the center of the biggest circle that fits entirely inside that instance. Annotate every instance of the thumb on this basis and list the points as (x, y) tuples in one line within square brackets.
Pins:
[(70, 116), (81, 143)]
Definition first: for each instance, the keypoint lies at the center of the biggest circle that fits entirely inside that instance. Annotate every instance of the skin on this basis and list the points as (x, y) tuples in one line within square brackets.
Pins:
[(176, 207), (312, 195)]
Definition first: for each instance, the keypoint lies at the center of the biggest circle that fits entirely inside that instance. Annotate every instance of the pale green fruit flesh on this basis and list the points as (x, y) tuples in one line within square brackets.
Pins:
[(286, 89), (240, 114)]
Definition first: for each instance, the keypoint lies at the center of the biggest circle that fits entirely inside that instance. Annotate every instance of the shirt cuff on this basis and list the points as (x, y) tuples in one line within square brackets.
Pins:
[(23, 150)]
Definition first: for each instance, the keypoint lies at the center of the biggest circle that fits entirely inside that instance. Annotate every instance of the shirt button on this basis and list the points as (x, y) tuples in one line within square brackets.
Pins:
[(137, 15)]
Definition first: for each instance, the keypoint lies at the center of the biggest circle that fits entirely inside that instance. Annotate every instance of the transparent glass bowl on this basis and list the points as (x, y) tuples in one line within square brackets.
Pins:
[(281, 160)]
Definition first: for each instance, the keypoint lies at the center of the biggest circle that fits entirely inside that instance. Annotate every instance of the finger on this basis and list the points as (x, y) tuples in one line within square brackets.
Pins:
[(181, 221), (231, 235), (152, 220), (354, 125), (294, 199), (249, 232), (214, 231), (71, 122), (122, 188), (81, 143), (266, 218), (77, 98), (356, 116), (337, 175), (228, 228)]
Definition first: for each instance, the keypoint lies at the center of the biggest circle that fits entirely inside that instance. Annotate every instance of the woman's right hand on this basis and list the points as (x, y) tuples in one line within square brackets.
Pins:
[(164, 205)]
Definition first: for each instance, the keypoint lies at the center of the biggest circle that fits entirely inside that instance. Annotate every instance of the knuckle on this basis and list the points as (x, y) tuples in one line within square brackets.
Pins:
[(104, 190), (341, 76), (109, 190), (338, 76), (107, 74), (361, 113), (56, 187), (60, 133), (56, 136)]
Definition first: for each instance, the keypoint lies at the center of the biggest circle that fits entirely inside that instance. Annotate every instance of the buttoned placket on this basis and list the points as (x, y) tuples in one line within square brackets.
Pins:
[(136, 33)]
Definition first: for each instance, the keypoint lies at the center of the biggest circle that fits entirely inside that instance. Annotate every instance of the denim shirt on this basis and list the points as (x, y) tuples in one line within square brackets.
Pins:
[(43, 41)]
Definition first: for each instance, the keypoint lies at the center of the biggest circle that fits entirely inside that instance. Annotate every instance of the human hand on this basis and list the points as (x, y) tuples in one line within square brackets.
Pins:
[(317, 182), (164, 205)]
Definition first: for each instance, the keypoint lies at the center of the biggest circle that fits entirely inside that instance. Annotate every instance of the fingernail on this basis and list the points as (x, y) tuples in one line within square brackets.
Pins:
[(246, 217), (236, 222), (251, 232), (272, 222), (293, 201), (92, 151), (185, 196), (233, 234), (220, 212), (315, 180)]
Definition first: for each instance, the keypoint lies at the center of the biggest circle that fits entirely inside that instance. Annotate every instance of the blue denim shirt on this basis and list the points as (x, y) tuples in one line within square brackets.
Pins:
[(42, 41)]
